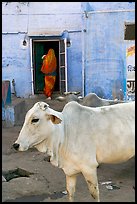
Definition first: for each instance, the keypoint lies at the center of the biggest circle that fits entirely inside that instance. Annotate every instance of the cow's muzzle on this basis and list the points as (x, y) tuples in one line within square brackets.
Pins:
[(16, 146)]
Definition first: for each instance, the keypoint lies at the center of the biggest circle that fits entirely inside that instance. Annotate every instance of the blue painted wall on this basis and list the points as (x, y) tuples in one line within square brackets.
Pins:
[(21, 18), (105, 53), (102, 6), (16, 63)]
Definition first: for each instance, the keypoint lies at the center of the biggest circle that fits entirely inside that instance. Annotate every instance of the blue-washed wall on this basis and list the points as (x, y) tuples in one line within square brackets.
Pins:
[(22, 18), (105, 51), (104, 6), (75, 63), (16, 63)]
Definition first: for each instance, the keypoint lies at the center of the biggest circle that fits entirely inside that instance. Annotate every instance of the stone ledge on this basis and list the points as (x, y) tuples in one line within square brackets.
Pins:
[(14, 114)]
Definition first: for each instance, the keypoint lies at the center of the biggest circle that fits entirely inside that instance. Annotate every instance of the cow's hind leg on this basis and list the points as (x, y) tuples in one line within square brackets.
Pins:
[(71, 185), (92, 181)]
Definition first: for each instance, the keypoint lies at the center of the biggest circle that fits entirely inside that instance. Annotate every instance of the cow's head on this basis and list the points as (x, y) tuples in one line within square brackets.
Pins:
[(39, 125)]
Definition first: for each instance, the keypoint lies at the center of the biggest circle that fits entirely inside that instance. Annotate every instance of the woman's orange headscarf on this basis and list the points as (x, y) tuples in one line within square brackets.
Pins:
[(49, 62)]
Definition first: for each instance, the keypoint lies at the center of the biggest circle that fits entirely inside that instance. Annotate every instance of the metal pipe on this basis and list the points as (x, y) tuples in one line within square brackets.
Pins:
[(109, 11)]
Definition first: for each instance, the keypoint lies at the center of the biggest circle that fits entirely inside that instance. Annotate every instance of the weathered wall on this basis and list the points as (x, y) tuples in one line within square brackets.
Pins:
[(105, 71), (102, 6), (22, 18), (19, 19), (105, 53), (16, 63)]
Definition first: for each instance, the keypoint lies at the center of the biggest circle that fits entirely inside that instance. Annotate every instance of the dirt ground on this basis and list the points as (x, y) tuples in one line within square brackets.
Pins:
[(47, 183)]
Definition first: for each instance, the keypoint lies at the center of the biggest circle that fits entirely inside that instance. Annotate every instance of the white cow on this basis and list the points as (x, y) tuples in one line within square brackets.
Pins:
[(79, 138)]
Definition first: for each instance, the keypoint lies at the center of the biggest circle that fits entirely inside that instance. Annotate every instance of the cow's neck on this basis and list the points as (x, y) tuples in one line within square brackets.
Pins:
[(51, 145)]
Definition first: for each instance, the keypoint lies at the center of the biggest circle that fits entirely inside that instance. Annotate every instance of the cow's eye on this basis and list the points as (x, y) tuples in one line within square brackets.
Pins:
[(35, 120)]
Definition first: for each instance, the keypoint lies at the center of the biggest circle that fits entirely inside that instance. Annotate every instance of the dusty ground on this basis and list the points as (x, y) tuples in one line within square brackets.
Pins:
[(47, 184)]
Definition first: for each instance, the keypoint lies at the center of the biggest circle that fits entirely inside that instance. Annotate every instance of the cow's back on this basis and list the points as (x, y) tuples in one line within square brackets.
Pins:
[(108, 131)]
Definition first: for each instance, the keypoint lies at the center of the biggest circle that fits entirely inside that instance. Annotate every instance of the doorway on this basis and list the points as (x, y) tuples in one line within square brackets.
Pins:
[(40, 48)]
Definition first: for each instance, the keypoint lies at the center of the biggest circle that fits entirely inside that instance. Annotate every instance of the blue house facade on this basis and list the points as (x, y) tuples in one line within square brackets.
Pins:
[(88, 39)]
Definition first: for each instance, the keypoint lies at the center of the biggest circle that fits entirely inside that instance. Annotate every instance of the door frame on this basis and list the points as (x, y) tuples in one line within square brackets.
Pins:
[(32, 60)]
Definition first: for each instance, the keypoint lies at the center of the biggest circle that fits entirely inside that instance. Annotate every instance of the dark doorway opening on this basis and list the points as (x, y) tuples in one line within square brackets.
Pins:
[(40, 48)]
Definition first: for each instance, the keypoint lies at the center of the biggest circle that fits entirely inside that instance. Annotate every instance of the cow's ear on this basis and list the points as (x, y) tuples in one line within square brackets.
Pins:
[(55, 119)]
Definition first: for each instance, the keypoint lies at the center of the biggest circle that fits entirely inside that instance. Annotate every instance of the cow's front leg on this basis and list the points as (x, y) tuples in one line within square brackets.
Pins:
[(92, 181), (71, 185)]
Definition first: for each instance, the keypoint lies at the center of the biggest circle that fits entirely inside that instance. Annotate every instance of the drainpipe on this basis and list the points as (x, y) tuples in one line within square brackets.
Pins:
[(108, 11), (83, 52), (83, 64)]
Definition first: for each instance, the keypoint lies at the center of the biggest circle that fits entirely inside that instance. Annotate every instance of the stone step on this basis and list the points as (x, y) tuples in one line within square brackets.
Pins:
[(14, 114)]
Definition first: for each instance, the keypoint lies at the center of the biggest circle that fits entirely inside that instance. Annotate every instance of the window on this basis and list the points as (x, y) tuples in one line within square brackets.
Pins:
[(129, 31)]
